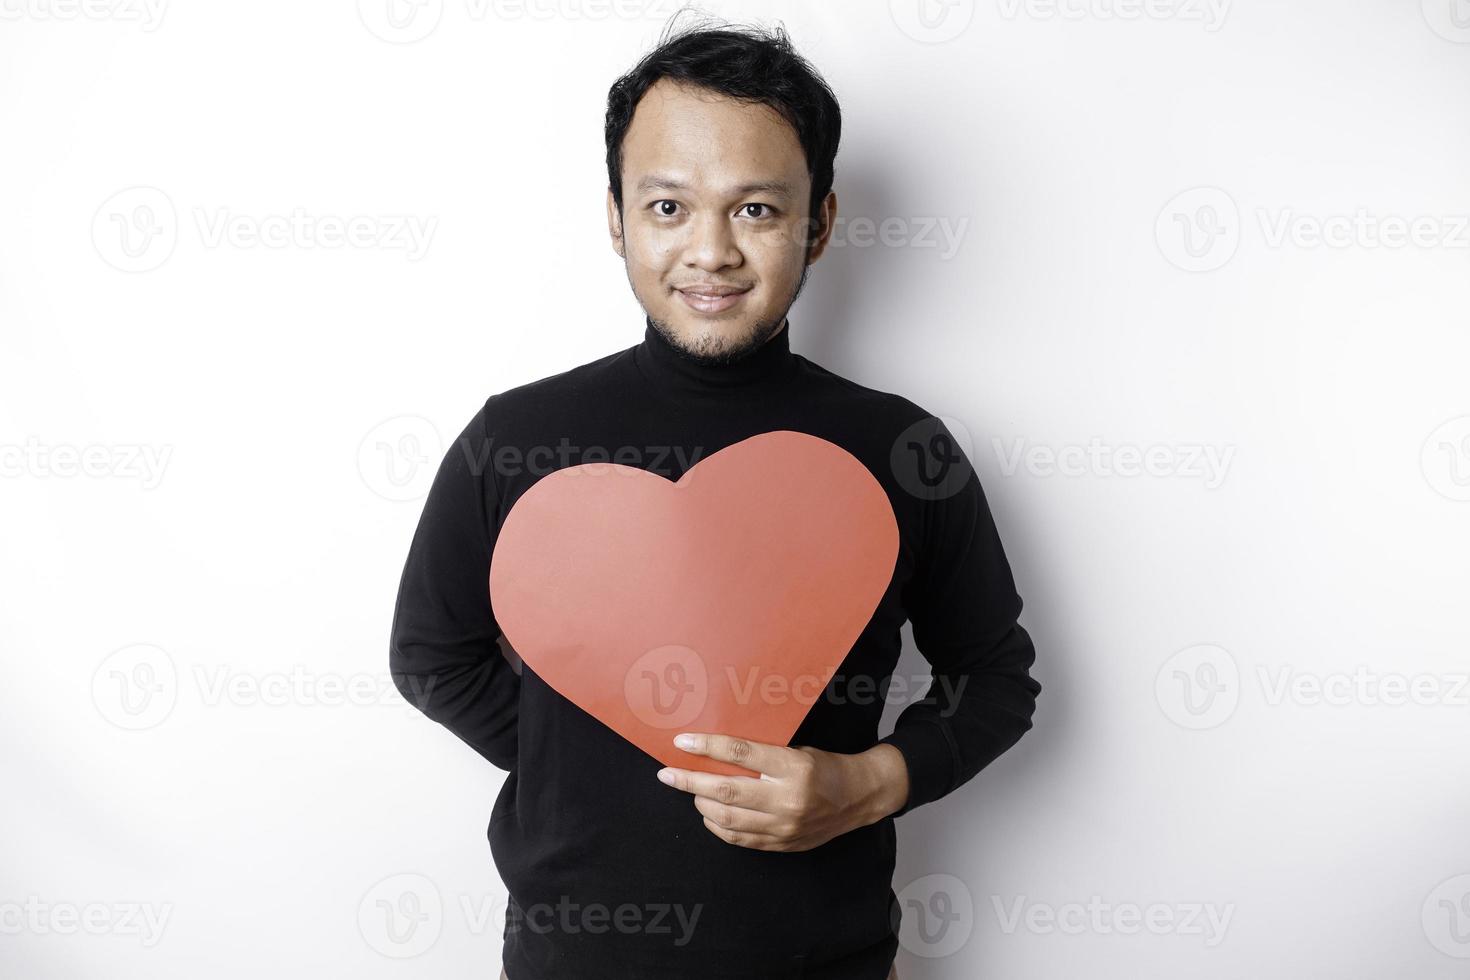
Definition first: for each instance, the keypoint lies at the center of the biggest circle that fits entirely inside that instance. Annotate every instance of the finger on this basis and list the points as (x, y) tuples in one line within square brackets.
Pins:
[(741, 838), (738, 820), (744, 752), (743, 791)]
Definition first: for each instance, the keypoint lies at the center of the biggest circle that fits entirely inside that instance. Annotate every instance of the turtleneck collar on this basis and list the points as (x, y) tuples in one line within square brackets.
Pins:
[(666, 365)]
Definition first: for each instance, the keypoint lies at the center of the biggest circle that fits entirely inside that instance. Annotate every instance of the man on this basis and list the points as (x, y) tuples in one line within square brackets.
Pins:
[(720, 150)]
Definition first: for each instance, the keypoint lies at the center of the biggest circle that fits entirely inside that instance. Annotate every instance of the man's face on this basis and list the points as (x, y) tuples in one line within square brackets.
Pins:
[(714, 229)]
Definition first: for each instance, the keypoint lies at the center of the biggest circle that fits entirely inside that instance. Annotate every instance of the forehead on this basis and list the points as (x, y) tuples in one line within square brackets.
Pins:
[(702, 137)]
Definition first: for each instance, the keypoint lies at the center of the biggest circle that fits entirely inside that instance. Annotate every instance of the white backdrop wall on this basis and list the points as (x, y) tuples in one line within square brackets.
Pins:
[(1192, 274)]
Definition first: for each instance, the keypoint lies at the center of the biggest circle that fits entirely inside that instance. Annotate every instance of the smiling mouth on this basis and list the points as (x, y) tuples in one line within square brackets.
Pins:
[(713, 299)]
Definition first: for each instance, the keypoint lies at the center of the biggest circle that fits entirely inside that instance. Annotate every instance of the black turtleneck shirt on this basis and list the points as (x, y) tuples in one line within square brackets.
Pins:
[(611, 874)]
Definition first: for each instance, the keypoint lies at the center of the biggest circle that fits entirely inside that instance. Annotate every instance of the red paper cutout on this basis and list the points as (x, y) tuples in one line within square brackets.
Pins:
[(636, 597)]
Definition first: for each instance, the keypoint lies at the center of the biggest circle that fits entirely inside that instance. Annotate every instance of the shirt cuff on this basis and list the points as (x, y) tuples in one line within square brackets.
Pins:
[(929, 751)]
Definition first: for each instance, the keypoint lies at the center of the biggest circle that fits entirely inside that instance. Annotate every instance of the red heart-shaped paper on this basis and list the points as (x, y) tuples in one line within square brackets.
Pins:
[(723, 602)]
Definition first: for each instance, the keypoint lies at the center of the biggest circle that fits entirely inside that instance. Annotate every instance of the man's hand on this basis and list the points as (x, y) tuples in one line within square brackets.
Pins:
[(803, 798)]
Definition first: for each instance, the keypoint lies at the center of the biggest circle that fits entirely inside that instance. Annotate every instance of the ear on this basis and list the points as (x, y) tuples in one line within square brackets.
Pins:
[(615, 225), (827, 217)]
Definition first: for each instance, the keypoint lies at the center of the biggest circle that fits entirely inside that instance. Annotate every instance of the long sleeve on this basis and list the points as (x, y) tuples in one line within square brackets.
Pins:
[(443, 651), (963, 605)]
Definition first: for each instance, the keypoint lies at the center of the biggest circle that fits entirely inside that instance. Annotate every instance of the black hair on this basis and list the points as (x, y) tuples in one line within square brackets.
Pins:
[(751, 64)]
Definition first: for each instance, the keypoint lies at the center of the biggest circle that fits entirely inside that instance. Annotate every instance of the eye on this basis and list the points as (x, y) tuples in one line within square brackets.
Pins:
[(766, 209), (660, 207)]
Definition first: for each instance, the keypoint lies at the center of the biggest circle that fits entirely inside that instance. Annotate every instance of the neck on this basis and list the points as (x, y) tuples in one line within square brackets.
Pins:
[(675, 369)]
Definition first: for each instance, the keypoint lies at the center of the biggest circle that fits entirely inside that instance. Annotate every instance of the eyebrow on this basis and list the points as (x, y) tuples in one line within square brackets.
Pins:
[(656, 182)]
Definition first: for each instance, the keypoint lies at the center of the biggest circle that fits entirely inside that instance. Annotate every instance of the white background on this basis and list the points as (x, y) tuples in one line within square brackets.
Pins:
[(1254, 703)]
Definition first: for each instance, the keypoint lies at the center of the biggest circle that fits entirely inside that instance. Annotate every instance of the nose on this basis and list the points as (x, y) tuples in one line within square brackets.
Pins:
[(712, 245)]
